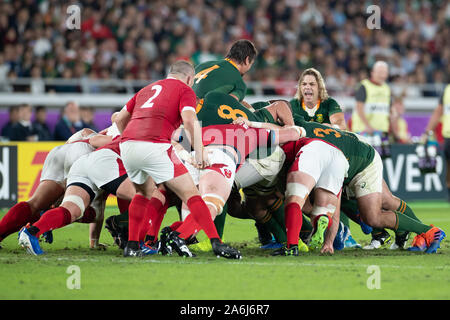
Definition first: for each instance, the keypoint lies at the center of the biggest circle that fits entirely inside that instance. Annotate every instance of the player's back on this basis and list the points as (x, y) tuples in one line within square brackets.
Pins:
[(219, 76), (156, 110), (242, 139), (358, 153)]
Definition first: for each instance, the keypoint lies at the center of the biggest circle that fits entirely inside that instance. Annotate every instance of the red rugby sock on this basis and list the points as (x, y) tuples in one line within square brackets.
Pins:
[(200, 212), (136, 216), (293, 219), (17, 217), (53, 219)]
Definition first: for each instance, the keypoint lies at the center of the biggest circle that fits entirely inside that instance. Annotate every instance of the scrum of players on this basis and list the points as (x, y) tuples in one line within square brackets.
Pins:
[(191, 141)]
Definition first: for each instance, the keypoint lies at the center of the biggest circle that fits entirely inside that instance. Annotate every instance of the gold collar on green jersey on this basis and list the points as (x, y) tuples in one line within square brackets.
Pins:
[(310, 112), (232, 62)]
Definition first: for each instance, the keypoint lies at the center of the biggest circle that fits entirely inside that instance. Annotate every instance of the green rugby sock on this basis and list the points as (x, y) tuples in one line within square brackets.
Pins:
[(344, 219), (278, 213), (219, 221), (406, 210), (272, 225), (406, 224)]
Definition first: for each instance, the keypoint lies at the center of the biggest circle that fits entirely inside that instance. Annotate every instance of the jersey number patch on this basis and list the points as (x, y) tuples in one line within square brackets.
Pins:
[(204, 73), (226, 112), (319, 132), (149, 103)]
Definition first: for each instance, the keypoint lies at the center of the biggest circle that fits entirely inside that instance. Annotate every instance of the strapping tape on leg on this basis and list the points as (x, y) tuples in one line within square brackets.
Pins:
[(328, 210), (214, 200), (296, 189), (77, 200)]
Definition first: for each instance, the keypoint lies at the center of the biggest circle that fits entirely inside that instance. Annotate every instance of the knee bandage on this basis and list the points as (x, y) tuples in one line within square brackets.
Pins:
[(328, 210), (77, 200), (296, 189), (214, 200)]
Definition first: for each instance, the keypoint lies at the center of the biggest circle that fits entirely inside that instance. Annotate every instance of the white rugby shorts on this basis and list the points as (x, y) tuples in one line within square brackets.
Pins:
[(96, 169), (323, 162), (143, 159), (368, 181), (60, 159), (220, 162)]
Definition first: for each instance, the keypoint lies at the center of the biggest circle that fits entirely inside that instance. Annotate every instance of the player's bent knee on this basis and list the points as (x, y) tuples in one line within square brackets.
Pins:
[(77, 201), (320, 210), (296, 189), (215, 201)]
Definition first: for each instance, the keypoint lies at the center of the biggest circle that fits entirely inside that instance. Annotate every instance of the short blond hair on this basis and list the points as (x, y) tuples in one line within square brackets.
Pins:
[(323, 94)]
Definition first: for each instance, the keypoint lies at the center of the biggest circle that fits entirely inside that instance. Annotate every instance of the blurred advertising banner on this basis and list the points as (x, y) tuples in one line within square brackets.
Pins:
[(402, 174), (20, 170), (8, 175)]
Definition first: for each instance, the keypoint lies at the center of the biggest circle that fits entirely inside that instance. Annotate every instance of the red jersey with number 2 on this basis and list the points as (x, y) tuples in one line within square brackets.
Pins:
[(156, 110)]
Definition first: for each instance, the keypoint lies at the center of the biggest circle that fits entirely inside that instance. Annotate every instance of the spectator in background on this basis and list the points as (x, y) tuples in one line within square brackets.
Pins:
[(40, 124), (87, 118), (398, 126), (127, 37), (13, 119), (441, 114), (69, 123), (23, 130)]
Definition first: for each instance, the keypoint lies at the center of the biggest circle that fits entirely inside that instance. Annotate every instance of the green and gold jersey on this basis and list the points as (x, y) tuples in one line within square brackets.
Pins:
[(221, 108), (320, 113), (219, 76), (358, 153)]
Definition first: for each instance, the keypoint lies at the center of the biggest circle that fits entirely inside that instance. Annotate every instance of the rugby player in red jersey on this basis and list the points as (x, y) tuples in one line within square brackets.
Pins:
[(229, 145), (90, 179), (147, 123)]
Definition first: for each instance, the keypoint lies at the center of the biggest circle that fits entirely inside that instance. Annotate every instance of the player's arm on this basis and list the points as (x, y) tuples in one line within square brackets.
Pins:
[(246, 104), (359, 108), (255, 124), (284, 114), (288, 133), (329, 236), (123, 117), (194, 135), (192, 127), (338, 120), (100, 140), (434, 120), (80, 135)]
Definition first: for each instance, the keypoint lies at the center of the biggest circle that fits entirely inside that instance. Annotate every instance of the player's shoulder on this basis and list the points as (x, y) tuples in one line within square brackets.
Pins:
[(330, 103), (174, 84), (207, 64)]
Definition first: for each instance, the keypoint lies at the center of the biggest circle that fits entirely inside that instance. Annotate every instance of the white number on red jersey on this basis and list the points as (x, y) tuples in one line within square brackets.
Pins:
[(149, 103)]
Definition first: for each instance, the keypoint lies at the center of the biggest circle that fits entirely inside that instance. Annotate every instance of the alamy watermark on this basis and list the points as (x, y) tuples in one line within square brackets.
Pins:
[(374, 280), (73, 21), (374, 20), (74, 280)]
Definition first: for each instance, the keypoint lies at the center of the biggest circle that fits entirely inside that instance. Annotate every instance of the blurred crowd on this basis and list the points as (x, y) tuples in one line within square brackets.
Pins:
[(26, 124), (136, 40)]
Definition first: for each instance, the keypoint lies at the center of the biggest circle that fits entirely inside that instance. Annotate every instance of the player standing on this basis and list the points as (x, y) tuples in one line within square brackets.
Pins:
[(148, 122)]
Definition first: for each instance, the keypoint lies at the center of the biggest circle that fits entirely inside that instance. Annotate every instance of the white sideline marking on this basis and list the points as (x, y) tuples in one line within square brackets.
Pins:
[(253, 263)]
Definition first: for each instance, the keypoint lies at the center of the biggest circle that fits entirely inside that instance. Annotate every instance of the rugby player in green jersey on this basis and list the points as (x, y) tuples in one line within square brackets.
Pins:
[(221, 108), (223, 77), (313, 103), (363, 180)]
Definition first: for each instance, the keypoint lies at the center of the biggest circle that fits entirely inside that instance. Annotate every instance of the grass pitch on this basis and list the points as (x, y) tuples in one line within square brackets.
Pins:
[(348, 274)]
